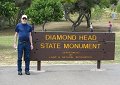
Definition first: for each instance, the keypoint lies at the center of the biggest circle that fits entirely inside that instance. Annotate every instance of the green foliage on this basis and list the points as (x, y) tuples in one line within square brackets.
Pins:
[(23, 3), (97, 12), (118, 8), (17, 2), (90, 3), (7, 11), (69, 1), (104, 3), (45, 10), (114, 2), (107, 3), (3, 1)]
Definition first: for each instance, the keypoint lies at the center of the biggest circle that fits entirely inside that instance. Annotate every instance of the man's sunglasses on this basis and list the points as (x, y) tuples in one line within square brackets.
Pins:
[(24, 18)]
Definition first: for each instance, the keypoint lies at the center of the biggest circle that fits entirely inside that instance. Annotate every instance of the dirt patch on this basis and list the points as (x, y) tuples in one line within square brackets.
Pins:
[(67, 26), (99, 26)]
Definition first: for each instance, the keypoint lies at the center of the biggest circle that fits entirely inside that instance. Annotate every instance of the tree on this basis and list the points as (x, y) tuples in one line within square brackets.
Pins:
[(82, 7), (104, 3), (22, 6), (118, 8), (42, 11), (7, 11), (97, 12), (107, 3), (114, 2)]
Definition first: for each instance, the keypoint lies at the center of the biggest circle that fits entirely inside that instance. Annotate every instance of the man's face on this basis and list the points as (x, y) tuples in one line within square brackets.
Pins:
[(24, 20)]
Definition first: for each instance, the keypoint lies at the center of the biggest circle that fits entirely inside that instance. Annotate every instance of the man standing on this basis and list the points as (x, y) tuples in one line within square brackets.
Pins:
[(23, 35)]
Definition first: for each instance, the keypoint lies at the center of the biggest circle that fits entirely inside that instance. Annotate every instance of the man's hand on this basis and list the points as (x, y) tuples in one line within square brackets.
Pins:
[(15, 46), (31, 46), (15, 40)]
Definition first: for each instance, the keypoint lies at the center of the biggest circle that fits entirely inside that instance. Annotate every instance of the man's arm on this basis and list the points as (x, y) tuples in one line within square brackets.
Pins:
[(15, 40), (31, 41)]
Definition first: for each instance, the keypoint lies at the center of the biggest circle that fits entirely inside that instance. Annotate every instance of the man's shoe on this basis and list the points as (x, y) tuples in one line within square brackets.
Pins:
[(19, 73), (27, 73)]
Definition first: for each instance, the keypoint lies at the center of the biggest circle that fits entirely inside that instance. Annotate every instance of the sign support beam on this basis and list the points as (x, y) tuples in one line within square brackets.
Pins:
[(38, 65), (98, 64)]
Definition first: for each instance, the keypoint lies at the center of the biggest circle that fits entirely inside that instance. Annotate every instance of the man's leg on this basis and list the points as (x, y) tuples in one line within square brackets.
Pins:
[(19, 61), (27, 57)]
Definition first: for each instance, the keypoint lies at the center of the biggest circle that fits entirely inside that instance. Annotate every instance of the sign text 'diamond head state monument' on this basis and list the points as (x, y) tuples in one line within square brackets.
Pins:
[(73, 46)]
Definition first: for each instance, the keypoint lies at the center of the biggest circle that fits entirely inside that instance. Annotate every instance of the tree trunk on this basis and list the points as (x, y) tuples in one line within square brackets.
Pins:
[(88, 16), (88, 21)]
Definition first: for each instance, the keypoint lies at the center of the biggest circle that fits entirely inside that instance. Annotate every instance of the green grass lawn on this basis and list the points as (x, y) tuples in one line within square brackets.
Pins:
[(117, 48), (8, 55), (7, 52)]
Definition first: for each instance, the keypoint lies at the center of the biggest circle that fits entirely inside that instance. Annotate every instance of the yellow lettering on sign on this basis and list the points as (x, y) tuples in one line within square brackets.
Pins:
[(60, 37), (82, 46), (50, 45), (87, 37)]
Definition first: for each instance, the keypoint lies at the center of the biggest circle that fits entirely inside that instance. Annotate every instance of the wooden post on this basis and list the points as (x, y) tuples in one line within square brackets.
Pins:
[(38, 65), (98, 64)]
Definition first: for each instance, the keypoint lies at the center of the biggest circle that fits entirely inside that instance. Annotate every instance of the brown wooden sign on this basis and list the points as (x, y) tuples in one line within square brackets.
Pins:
[(73, 46)]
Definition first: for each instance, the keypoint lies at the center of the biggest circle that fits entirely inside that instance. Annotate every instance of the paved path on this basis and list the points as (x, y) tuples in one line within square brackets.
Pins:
[(63, 75)]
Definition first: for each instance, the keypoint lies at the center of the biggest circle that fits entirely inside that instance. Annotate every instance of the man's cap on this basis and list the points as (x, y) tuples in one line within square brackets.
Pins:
[(24, 16)]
